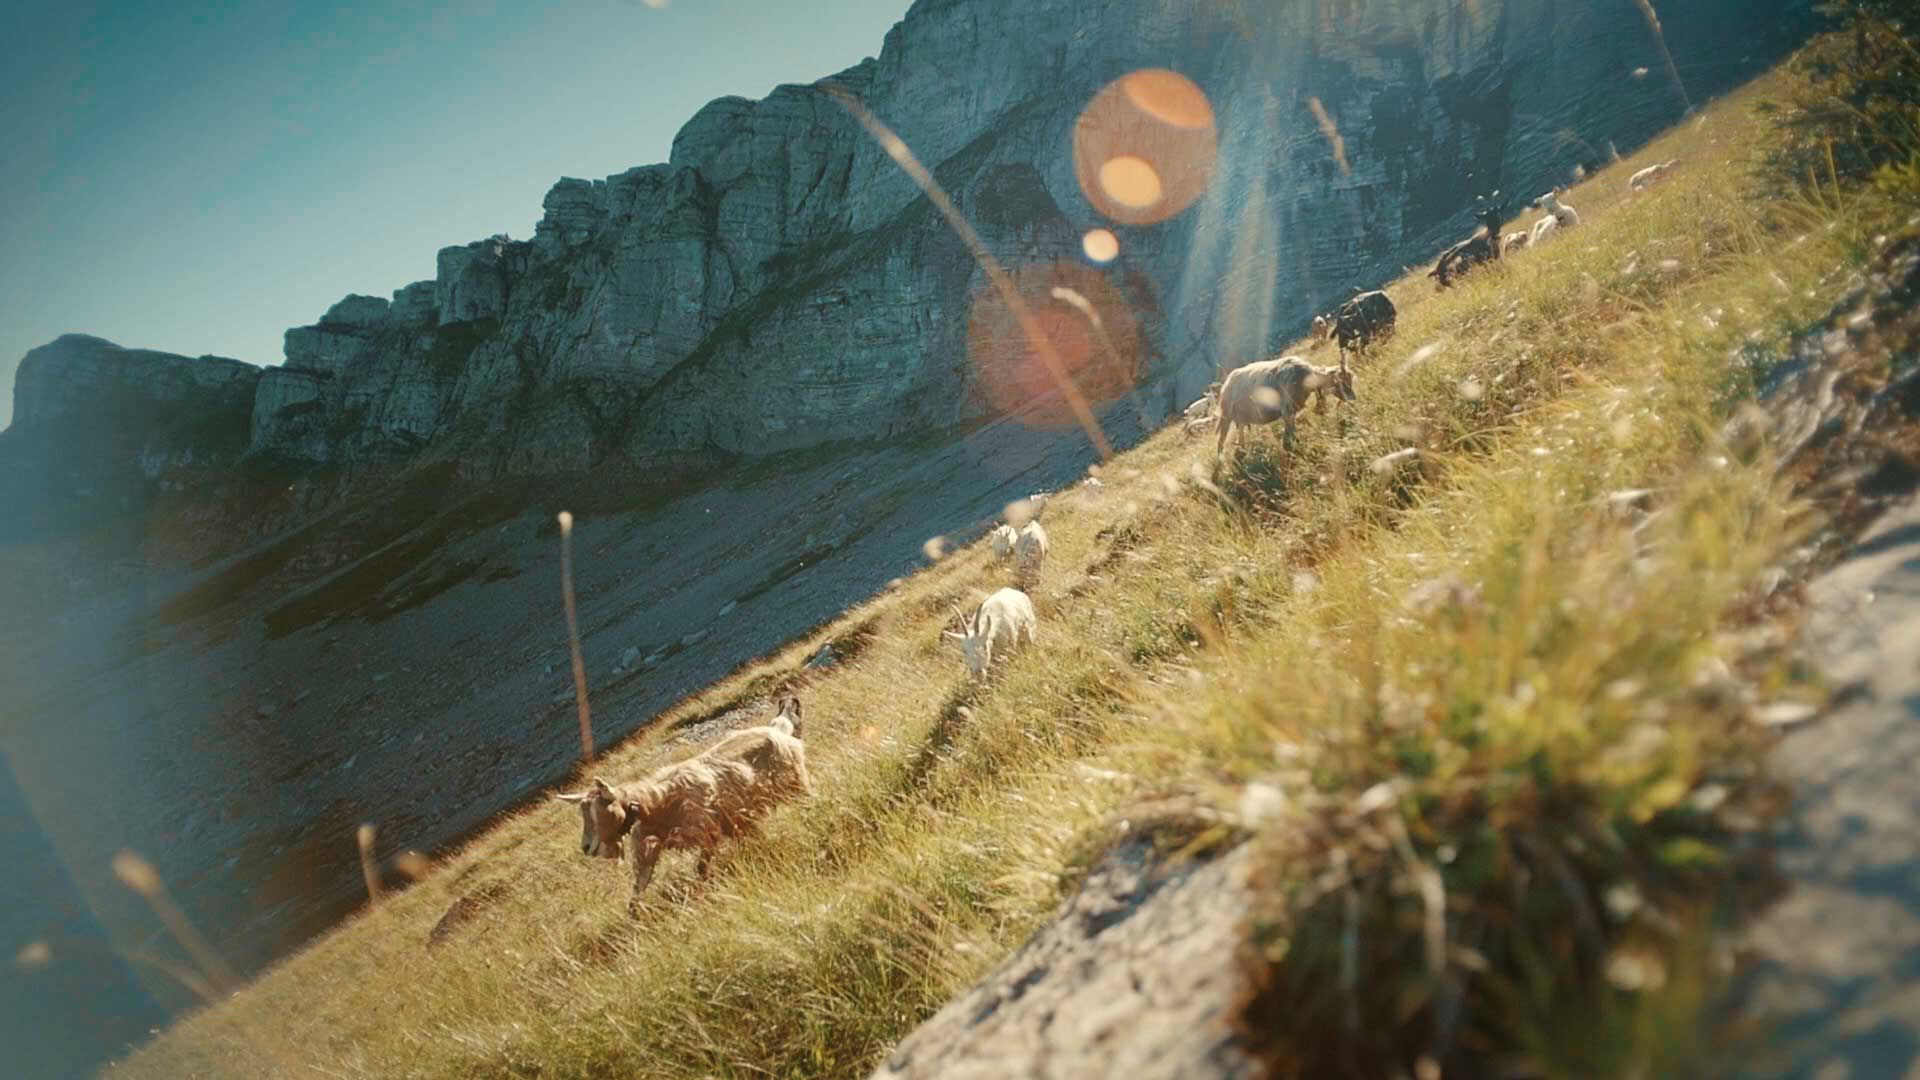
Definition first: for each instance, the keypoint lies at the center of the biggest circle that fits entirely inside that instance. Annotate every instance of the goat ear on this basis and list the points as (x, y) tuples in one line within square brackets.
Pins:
[(954, 636), (601, 787), (571, 797)]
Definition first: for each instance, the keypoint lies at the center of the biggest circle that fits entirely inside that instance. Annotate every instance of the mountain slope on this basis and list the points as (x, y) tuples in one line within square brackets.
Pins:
[(753, 372), (1474, 641)]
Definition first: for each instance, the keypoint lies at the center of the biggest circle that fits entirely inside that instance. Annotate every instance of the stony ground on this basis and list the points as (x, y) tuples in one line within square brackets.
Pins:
[(1835, 976), (1838, 956), (1136, 972)]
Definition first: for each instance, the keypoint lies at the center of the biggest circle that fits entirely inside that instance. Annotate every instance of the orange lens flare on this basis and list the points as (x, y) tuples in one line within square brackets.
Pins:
[(1144, 148), (1168, 97), (1075, 312), (1100, 245), (1131, 182)]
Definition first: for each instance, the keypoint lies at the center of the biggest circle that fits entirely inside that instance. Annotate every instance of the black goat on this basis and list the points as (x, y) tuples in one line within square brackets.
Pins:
[(1482, 247), (1359, 322)]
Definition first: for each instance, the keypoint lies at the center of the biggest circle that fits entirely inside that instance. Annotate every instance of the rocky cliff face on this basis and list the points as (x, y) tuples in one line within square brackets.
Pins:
[(98, 429), (780, 284)]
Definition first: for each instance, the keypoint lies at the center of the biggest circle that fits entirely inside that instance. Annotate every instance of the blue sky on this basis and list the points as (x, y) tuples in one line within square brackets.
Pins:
[(199, 176)]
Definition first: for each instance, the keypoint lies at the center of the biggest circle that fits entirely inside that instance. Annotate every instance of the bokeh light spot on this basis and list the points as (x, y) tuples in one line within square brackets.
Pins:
[(1130, 181), (33, 956), (1077, 319), (1144, 147), (1101, 245), (1168, 97)]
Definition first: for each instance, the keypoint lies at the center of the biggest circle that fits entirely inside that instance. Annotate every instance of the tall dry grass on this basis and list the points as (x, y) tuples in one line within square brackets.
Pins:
[(1457, 669)]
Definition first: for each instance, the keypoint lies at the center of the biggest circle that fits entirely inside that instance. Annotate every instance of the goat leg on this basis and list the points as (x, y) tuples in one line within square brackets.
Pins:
[(646, 853)]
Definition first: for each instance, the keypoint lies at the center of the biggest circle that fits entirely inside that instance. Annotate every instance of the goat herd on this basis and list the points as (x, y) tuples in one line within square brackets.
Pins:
[(1266, 391), (721, 793)]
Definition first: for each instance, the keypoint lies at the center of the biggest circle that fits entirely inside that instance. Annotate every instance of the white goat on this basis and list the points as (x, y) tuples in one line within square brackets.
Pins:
[(1514, 241), (1269, 390), (998, 626), (1651, 175), (1202, 407), (1030, 551), (1003, 538), (1559, 216)]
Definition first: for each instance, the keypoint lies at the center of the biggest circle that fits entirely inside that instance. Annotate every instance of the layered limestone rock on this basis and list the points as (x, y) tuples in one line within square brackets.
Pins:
[(368, 384), (779, 283)]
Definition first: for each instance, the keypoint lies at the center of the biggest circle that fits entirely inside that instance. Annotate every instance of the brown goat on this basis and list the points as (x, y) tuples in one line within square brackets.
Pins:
[(716, 795)]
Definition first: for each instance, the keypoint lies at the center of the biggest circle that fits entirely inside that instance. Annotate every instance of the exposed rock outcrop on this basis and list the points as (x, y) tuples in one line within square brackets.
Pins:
[(159, 405), (1135, 976)]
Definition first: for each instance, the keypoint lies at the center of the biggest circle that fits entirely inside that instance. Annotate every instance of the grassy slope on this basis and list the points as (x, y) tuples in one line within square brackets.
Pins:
[(1195, 638)]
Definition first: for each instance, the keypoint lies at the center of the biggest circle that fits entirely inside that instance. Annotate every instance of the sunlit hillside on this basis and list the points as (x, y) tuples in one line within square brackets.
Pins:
[(1493, 584)]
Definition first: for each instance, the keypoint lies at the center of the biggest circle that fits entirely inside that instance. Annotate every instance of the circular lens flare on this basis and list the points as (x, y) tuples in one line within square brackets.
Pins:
[(1077, 325), (1144, 147), (1100, 245), (1131, 182), (1168, 97)]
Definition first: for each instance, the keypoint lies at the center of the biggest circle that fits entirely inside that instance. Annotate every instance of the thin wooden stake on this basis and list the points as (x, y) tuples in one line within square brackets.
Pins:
[(365, 836), (573, 638)]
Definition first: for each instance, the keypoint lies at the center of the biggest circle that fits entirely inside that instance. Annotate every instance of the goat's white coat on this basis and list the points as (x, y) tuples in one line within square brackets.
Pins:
[(1003, 538), (1650, 175), (999, 625), (1030, 550), (1269, 390), (1559, 216)]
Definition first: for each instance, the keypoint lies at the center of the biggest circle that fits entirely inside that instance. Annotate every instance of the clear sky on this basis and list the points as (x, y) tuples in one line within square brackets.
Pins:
[(198, 176)]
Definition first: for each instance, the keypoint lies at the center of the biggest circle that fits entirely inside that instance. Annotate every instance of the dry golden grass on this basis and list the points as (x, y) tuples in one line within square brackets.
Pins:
[(1202, 627)]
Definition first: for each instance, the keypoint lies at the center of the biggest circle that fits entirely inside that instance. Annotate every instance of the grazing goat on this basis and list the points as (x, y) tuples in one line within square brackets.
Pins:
[(1514, 241), (1269, 390), (1030, 551), (1559, 216), (1651, 175), (1482, 247), (718, 794), (1359, 322), (1003, 538), (998, 626)]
